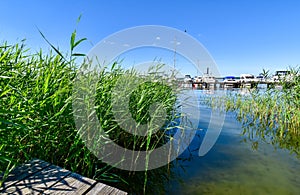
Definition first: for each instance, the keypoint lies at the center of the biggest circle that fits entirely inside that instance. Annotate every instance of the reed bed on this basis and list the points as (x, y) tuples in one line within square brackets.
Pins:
[(272, 115), (36, 116)]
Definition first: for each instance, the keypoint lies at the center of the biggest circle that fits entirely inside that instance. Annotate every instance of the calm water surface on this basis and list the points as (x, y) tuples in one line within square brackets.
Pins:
[(232, 166)]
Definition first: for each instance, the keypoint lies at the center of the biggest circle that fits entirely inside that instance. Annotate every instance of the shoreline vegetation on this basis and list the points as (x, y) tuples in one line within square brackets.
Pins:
[(36, 117), (272, 116), (37, 121)]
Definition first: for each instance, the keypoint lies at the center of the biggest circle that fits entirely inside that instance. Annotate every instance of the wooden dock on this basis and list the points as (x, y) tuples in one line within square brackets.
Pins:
[(229, 84), (40, 177)]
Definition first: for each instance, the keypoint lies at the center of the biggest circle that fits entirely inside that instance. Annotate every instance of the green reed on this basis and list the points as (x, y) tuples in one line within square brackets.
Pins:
[(141, 93), (272, 115), (37, 121)]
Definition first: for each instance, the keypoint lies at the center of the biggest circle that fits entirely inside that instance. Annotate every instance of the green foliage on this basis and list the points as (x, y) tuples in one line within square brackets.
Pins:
[(36, 118), (272, 115), (146, 94), (36, 115)]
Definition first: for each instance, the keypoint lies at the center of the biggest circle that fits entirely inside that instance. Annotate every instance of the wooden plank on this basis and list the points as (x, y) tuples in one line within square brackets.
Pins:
[(39, 177), (39, 182), (23, 171), (72, 184), (101, 188)]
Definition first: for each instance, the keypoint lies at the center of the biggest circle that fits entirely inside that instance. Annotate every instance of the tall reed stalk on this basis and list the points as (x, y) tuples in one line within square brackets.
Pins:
[(36, 116)]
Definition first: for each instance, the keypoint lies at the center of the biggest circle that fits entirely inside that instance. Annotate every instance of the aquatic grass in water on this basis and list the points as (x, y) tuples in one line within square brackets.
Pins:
[(272, 115), (122, 96), (140, 100)]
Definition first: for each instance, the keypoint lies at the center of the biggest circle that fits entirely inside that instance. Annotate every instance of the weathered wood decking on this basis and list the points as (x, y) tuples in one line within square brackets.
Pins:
[(40, 177)]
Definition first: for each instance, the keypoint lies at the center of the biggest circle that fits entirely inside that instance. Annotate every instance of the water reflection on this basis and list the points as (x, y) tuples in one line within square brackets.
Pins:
[(232, 166)]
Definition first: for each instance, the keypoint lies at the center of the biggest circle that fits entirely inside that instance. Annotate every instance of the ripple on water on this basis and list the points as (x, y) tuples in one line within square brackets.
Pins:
[(233, 167)]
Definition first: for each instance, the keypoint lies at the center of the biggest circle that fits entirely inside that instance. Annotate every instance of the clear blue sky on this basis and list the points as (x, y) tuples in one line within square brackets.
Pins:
[(243, 36)]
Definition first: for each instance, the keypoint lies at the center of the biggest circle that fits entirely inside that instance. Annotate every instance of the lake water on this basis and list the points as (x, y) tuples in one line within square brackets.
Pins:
[(232, 166)]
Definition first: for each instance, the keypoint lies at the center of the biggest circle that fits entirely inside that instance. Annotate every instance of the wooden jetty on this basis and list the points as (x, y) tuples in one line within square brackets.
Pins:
[(40, 177), (227, 84)]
